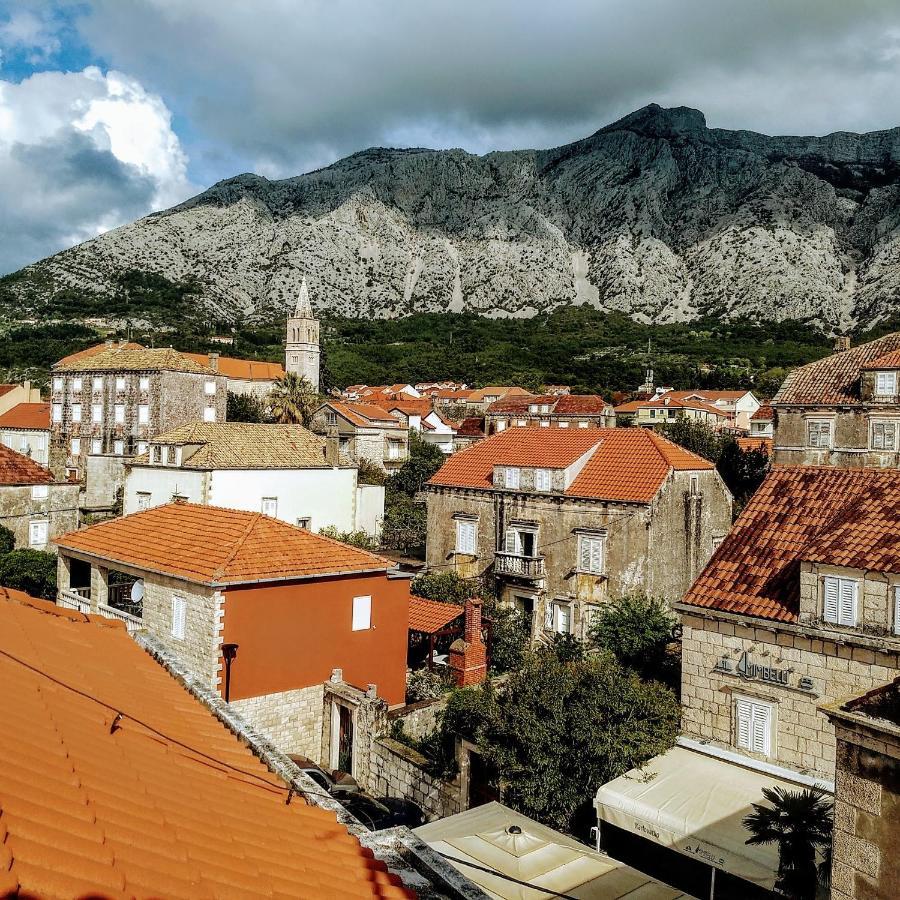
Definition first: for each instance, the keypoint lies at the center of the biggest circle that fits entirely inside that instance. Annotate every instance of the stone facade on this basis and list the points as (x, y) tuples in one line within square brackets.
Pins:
[(804, 667), (657, 547), (301, 355), (20, 506), (384, 446), (291, 720)]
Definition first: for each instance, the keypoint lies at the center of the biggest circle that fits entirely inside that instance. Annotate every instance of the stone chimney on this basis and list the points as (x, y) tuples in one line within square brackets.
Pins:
[(214, 360), (842, 342), (468, 655), (332, 447)]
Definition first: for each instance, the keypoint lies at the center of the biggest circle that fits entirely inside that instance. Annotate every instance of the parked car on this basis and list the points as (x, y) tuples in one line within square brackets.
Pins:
[(335, 782), (385, 812)]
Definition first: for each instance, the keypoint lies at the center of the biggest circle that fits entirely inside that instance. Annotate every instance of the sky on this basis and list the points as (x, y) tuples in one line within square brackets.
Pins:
[(110, 109)]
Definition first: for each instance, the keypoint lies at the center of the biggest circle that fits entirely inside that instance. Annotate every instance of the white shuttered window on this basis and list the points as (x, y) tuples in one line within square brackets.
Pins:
[(362, 613), (179, 615), (465, 536), (753, 726), (839, 604), (897, 609), (590, 554)]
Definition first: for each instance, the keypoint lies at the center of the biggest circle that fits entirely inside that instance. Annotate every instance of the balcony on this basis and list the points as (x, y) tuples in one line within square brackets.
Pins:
[(119, 606), (518, 566), (78, 599)]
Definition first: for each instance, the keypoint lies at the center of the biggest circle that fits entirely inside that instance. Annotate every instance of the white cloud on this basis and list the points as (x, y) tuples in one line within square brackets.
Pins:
[(26, 30), (81, 152)]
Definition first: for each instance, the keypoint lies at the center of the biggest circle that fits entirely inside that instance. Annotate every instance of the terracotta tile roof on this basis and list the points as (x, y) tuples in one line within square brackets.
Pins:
[(244, 445), (708, 396), (365, 415), (429, 616), (452, 394), (93, 351), (560, 404), (410, 407), (888, 361), (6, 388), (756, 443), (32, 416), (843, 517), (163, 801), (18, 469), (471, 426), (764, 414), (479, 394), (834, 379), (241, 369), (126, 359), (629, 464), (211, 545), (667, 401)]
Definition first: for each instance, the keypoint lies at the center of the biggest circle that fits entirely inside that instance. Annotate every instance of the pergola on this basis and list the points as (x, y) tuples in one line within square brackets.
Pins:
[(434, 619)]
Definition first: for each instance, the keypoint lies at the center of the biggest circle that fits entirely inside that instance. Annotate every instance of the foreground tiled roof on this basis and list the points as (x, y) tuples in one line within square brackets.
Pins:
[(116, 782), (241, 369), (560, 404), (365, 415), (93, 351), (429, 616), (128, 359), (245, 445), (15, 468), (211, 545), (843, 517), (629, 464), (32, 416), (834, 379)]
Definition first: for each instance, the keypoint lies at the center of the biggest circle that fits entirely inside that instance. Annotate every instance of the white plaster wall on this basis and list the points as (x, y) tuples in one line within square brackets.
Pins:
[(37, 442), (369, 508), (161, 483)]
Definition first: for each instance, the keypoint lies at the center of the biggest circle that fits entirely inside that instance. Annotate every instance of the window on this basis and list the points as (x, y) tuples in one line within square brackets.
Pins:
[(884, 435), (209, 388), (40, 491), (305, 522), (521, 422), (23, 443), (144, 383), (96, 413), (75, 446), (840, 600), (97, 445), (542, 479), (558, 618), (179, 615), (520, 541), (76, 412), (590, 553), (97, 383), (270, 506), (37, 533), (141, 448), (76, 385), (119, 448), (501, 424), (886, 384), (753, 725), (818, 434), (533, 408), (545, 423), (143, 500), (362, 613), (582, 424), (57, 412), (466, 530), (120, 382), (143, 414), (563, 424), (652, 413), (897, 609), (57, 384), (330, 417), (394, 449), (209, 414), (119, 413), (511, 477), (695, 485)]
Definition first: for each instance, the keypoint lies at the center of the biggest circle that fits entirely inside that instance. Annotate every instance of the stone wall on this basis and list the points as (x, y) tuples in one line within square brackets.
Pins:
[(18, 508), (399, 771), (291, 720), (803, 737), (419, 719)]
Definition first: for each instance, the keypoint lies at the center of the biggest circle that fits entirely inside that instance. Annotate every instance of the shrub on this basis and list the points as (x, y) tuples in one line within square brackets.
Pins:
[(354, 538), (7, 540), (422, 684), (636, 629), (32, 571)]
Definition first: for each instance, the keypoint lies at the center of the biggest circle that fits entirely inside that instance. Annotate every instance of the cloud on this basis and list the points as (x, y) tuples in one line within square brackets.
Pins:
[(284, 85), (28, 32), (80, 153)]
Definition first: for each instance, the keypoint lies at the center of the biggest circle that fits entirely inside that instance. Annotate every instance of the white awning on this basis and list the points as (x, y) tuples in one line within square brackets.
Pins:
[(694, 803), (507, 843)]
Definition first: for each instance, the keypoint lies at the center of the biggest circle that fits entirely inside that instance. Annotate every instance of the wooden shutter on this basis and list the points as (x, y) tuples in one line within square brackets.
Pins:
[(761, 728), (584, 553), (509, 541), (596, 555), (548, 616), (743, 712), (847, 609), (179, 616), (465, 537), (831, 605), (897, 610)]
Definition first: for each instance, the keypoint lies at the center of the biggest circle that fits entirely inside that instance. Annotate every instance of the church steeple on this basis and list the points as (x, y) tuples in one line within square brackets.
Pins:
[(301, 352)]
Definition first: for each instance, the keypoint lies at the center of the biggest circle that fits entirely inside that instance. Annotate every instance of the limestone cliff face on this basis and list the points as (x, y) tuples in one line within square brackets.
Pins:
[(655, 215)]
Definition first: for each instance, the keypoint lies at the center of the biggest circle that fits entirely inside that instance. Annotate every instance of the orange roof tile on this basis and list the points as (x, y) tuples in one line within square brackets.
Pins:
[(97, 348), (211, 545), (842, 517), (479, 394), (667, 401), (365, 415), (18, 469), (429, 616), (162, 800), (560, 404), (888, 361), (756, 443), (31, 416), (241, 369), (628, 464), (764, 414)]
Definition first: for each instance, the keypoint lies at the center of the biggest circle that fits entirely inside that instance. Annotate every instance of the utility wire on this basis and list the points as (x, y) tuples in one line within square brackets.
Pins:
[(503, 875)]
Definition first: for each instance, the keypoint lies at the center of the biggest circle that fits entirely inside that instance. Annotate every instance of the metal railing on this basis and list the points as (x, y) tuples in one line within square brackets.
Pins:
[(133, 623), (75, 598), (522, 566)]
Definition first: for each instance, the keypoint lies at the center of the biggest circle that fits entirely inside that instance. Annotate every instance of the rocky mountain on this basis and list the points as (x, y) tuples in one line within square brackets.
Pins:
[(656, 215)]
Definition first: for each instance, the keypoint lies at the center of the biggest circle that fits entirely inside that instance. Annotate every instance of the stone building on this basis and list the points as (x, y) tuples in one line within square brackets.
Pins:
[(843, 410), (557, 410), (565, 519), (33, 504), (107, 405), (249, 377), (26, 429), (260, 611), (301, 353), (866, 843), (365, 432), (666, 408)]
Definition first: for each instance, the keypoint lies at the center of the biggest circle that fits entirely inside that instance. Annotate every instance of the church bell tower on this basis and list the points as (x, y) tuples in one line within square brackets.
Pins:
[(301, 353)]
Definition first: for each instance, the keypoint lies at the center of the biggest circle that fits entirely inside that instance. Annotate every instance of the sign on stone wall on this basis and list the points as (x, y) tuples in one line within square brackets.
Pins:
[(749, 670)]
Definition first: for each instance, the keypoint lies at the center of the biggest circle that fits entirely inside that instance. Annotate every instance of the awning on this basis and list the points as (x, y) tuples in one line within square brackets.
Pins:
[(509, 844), (430, 616), (694, 804)]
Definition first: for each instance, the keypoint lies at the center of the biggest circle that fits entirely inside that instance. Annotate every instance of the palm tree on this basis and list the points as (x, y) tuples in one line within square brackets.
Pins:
[(799, 822), (293, 400)]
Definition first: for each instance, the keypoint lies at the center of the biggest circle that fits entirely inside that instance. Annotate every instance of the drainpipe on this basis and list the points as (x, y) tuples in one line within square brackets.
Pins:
[(229, 652)]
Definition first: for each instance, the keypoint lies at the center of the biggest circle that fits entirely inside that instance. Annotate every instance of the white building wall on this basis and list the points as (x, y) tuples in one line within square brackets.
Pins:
[(30, 442), (162, 483), (369, 509)]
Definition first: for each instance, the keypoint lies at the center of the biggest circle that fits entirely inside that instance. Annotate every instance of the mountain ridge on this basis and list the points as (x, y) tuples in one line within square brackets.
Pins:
[(655, 215)]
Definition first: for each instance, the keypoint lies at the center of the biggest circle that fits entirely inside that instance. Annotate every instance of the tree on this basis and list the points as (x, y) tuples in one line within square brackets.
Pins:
[(742, 470), (424, 460), (245, 408), (7, 540), (695, 436), (368, 472), (293, 400), (799, 822), (32, 571)]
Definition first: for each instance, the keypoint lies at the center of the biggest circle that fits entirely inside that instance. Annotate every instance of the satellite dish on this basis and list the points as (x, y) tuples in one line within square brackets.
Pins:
[(137, 591)]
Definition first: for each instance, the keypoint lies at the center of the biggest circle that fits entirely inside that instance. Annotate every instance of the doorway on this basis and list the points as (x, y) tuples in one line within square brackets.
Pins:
[(342, 737), (483, 781)]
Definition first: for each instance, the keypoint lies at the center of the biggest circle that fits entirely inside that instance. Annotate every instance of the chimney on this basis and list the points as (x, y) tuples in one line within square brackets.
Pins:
[(468, 655), (214, 360), (332, 447), (842, 342)]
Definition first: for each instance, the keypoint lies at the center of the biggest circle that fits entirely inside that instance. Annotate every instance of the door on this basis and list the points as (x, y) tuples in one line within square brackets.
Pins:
[(345, 739), (482, 781)]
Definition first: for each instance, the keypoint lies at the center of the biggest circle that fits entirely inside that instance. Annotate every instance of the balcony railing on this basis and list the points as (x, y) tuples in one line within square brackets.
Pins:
[(132, 623), (520, 566), (75, 598)]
